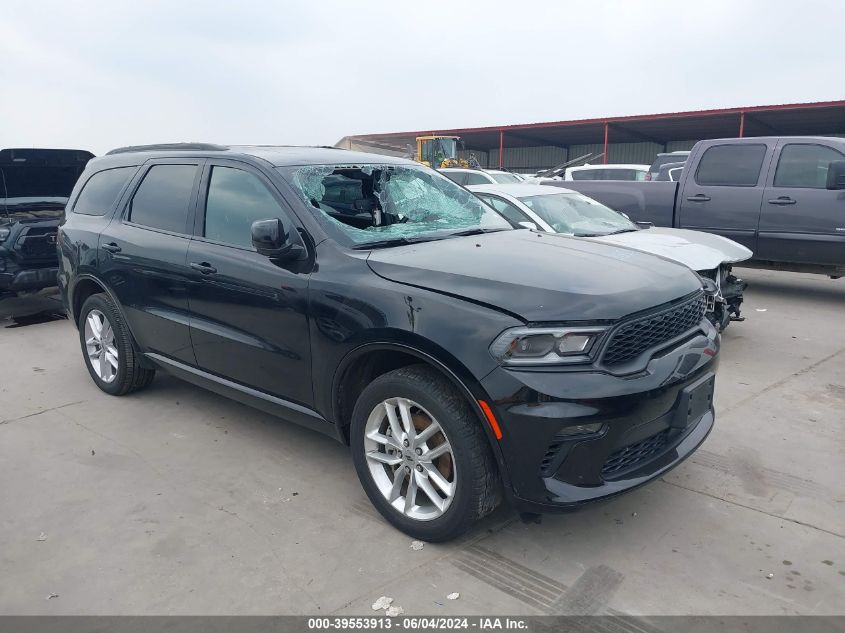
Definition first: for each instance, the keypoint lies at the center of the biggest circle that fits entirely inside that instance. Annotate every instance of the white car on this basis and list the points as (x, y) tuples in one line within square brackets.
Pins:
[(558, 210), (466, 177), (607, 172)]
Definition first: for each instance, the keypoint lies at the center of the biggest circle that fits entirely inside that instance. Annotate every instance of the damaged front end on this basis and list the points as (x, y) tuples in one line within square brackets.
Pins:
[(724, 292)]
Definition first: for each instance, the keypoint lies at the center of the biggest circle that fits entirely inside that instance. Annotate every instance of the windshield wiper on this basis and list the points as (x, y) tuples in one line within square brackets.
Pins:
[(393, 241), (476, 231), (604, 234)]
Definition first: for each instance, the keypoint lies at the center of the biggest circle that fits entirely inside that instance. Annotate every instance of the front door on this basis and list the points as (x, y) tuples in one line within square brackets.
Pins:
[(724, 192), (802, 221), (248, 314)]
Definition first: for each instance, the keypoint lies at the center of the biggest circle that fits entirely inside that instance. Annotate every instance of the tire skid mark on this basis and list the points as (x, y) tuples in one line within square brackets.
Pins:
[(790, 483)]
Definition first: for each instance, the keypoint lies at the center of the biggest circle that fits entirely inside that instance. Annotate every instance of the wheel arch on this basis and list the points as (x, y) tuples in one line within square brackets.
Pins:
[(370, 360), (84, 287)]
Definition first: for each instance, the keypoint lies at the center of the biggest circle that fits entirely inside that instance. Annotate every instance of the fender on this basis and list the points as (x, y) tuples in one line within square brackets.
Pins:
[(467, 385)]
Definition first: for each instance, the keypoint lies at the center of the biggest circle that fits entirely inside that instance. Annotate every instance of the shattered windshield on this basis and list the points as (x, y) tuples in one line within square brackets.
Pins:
[(374, 203), (578, 215)]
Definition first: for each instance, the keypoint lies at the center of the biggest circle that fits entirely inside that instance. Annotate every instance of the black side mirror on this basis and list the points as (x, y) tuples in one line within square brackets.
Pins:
[(272, 239), (836, 175)]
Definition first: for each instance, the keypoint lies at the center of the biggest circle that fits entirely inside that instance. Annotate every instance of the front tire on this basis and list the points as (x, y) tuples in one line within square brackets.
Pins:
[(107, 347), (421, 454)]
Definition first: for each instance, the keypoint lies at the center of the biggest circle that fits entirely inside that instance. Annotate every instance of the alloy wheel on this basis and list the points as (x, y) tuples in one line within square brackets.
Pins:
[(410, 459), (100, 347)]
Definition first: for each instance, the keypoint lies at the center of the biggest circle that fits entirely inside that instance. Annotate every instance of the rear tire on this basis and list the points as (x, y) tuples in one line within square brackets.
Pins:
[(427, 467), (107, 347)]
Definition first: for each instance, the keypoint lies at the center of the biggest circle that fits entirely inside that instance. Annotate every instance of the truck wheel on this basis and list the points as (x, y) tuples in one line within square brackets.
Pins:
[(421, 454), (110, 354)]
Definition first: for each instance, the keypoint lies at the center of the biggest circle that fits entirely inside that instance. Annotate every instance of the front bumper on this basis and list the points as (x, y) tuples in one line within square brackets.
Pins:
[(28, 279), (648, 423)]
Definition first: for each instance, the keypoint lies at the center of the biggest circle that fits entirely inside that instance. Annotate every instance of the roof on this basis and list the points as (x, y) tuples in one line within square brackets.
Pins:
[(276, 155), (612, 166), (814, 118), (475, 169), (519, 190)]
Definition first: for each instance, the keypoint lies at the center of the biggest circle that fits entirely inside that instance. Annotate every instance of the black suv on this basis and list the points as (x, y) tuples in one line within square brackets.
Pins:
[(374, 300), (34, 187)]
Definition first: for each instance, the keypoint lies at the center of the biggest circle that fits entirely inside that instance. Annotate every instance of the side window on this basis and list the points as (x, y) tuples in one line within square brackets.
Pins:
[(618, 174), (236, 199), (730, 165), (162, 200), (506, 210), (100, 192), (455, 176), (804, 165), (584, 174), (476, 179)]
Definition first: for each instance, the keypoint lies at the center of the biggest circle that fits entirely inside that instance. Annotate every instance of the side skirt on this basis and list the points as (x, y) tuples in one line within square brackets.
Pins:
[(265, 402)]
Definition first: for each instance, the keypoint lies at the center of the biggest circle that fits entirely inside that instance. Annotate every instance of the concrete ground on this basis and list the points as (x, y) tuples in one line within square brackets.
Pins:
[(178, 501)]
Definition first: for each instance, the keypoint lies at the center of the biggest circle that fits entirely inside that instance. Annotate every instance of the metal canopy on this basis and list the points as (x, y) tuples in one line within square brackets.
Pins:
[(787, 119)]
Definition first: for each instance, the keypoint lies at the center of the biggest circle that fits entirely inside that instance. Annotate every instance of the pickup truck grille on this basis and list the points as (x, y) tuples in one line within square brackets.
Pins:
[(635, 337), (37, 242)]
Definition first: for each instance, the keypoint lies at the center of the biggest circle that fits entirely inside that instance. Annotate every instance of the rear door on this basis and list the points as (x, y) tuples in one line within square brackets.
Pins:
[(248, 314), (723, 190), (143, 252), (802, 221)]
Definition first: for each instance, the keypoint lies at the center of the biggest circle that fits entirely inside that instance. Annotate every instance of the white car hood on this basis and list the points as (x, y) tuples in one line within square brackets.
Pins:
[(694, 249)]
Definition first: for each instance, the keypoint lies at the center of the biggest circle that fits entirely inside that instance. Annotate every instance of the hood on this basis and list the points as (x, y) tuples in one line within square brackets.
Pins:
[(694, 249), (38, 179), (538, 276)]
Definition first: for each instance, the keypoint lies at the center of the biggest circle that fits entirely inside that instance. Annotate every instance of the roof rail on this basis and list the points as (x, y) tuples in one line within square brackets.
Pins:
[(170, 147)]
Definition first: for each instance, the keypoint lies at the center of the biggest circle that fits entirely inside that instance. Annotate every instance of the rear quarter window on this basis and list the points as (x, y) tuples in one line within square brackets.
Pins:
[(458, 177), (101, 191), (476, 179)]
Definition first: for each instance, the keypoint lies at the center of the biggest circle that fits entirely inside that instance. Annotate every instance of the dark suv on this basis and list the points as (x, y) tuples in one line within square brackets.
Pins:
[(374, 300)]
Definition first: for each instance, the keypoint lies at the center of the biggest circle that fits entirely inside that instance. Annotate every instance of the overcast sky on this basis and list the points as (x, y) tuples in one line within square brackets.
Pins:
[(100, 74)]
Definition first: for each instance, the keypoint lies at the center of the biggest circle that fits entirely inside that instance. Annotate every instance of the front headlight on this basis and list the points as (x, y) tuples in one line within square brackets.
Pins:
[(547, 346), (4, 233)]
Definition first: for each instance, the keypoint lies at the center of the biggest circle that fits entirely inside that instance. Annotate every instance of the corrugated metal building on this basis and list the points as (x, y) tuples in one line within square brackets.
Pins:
[(630, 139)]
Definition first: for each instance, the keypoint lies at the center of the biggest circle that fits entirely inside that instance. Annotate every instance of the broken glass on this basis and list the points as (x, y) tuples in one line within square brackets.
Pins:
[(377, 202)]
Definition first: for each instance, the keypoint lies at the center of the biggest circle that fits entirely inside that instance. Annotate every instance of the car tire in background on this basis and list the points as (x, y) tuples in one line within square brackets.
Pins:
[(421, 454), (108, 349)]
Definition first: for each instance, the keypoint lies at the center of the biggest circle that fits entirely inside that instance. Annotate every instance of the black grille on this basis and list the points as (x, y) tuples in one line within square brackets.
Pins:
[(629, 456), (549, 464), (37, 243), (633, 338)]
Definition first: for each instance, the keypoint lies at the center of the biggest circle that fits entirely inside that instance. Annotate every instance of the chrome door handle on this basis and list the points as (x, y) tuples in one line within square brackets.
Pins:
[(699, 197), (782, 200), (111, 247)]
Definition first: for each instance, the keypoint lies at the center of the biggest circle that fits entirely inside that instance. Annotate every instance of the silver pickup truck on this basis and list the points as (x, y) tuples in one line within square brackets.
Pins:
[(782, 197)]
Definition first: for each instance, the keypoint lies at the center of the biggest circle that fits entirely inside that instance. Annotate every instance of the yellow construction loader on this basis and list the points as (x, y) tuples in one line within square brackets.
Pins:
[(442, 151)]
